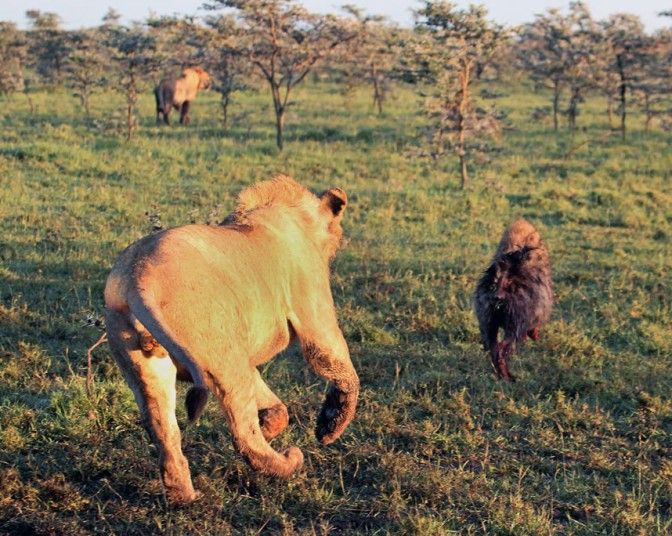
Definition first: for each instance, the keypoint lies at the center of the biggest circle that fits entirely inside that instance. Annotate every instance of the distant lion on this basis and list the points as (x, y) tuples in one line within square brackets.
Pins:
[(179, 93), (210, 304)]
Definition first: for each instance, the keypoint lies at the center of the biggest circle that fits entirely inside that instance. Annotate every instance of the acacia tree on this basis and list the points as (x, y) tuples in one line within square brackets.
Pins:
[(218, 45), (85, 66), (544, 54), (371, 56), (627, 50), (111, 19), (587, 57), (284, 42), (49, 45), (451, 44), (653, 85), (132, 54), (564, 51), (662, 43), (173, 42), (12, 58)]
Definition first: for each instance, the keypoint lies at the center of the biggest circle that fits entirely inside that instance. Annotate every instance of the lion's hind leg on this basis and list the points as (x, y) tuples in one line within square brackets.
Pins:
[(152, 379), (273, 416), (239, 403)]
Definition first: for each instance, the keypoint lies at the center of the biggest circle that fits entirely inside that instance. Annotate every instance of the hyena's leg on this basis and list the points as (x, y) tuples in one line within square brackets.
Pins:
[(326, 351), (490, 335), (534, 334), (273, 416), (239, 402), (494, 359), (152, 380), (504, 351)]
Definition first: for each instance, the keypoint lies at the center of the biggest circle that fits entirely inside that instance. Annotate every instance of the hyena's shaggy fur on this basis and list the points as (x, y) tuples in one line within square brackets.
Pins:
[(514, 294)]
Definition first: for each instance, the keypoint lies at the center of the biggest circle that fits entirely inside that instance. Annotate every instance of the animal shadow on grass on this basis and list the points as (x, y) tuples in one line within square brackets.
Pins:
[(184, 133), (49, 300)]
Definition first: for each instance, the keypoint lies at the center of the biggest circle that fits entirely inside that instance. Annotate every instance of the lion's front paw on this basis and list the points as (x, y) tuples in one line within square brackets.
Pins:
[(337, 412)]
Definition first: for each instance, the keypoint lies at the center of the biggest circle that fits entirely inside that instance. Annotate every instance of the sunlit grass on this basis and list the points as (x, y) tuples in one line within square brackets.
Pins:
[(580, 444)]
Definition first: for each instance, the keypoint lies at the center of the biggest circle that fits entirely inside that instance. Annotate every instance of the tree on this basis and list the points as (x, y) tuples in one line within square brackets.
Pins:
[(564, 51), (12, 58), (544, 55), (85, 66), (663, 48), (653, 84), (223, 58), (132, 54), (586, 63), (49, 46), (284, 42), (627, 44), (111, 18), (372, 55), (173, 41), (451, 44)]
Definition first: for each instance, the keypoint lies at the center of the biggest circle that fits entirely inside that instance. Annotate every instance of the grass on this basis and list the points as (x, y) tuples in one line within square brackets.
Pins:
[(581, 444)]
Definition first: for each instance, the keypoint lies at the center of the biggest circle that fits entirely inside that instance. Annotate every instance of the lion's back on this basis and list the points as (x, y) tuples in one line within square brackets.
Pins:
[(223, 273)]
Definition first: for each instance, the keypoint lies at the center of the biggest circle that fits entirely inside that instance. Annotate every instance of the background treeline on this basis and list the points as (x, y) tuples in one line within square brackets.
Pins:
[(453, 57)]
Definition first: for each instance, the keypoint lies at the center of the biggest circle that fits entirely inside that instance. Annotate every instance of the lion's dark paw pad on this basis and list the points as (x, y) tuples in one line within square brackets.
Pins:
[(328, 423)]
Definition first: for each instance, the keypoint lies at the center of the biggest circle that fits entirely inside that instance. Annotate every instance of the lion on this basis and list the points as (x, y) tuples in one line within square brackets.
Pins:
[(179, 93), (210, 304)]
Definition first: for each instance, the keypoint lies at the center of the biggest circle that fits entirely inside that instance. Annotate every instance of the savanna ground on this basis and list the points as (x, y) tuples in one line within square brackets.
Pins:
[(579, 445)]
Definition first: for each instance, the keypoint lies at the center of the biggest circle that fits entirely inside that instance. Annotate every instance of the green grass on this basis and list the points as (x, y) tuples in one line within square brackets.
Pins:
[(580, 444)]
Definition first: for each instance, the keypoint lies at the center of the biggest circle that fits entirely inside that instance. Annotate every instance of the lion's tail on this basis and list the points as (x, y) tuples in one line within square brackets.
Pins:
[(197, 397), (160, 330)]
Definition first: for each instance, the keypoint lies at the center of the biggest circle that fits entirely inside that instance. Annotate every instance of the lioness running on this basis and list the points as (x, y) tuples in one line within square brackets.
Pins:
[(210, 304)]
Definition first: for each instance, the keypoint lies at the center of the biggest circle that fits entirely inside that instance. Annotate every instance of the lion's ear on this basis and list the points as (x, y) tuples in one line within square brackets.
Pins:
[(334, 200)]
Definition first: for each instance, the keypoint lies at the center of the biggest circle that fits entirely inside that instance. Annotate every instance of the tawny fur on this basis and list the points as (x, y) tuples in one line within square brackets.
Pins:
[(514, 295), (180, 93), (210, 304)]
